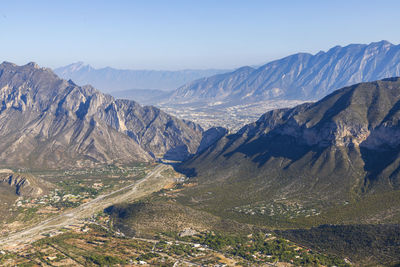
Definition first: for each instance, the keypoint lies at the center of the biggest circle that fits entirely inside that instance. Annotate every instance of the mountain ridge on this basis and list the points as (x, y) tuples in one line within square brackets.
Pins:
[(24, 185), (342, 150), (110, 79), (49, 122), (299, 76)]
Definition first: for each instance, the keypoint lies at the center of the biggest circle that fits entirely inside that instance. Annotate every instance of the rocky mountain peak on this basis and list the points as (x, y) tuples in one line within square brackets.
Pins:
[(6, 63), (33, 65), (53, 122)]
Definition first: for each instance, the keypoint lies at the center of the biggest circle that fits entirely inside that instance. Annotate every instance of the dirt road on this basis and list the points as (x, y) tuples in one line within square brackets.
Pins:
[(153, 182)]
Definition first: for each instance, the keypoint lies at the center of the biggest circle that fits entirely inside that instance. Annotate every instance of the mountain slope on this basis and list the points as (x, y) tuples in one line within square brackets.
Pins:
[(300, 76), (365, 245), (110, 79), (49, 122), (301, 161), (24, 185)]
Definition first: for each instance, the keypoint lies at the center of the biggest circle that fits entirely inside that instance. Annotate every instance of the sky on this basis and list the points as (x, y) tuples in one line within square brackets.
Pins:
[(178, 34)]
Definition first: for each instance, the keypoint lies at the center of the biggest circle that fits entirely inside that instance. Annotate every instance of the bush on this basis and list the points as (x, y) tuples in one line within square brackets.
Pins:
[(104, 260)]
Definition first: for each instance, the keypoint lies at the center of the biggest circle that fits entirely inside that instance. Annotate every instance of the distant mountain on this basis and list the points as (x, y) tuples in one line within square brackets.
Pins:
[(300, 76), (49, 122), (110, 79), (143, 96), (336, 160)]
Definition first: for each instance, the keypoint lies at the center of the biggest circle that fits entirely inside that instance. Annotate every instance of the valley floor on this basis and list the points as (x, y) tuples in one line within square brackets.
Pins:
[(230, 116), (141, 221), (153, 181)]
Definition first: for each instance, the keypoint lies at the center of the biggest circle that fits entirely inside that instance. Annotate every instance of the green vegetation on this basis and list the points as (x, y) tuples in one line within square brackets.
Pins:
[(75, 187), (101, 246), (263, 247), (240, 200), (374, 208), (28, 213), (148, 256), (365, 244), (104, 260)]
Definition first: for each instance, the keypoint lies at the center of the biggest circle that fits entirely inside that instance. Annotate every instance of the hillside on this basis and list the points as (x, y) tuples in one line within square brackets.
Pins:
[(329, 161), (49, 122), (149, 218), (368, 245), (24, 185), (15, 187)]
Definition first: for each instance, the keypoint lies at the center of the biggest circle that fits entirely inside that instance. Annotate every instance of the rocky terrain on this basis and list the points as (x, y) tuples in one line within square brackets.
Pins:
[(14, 187), (49, 122), (25, 185)]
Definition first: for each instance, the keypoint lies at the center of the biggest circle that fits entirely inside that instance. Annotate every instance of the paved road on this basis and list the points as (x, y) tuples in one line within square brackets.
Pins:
[(153, 182)]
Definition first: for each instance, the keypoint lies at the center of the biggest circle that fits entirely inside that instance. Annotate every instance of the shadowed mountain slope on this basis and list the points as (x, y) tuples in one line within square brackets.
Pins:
[(332, 152), (23, 184)]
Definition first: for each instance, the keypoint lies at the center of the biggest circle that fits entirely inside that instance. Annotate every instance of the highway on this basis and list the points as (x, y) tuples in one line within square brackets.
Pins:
[(154, 181)]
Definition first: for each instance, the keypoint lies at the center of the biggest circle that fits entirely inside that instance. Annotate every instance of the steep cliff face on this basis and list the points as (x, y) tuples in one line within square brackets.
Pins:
[(46, 121), (331, 151), (158, 132)]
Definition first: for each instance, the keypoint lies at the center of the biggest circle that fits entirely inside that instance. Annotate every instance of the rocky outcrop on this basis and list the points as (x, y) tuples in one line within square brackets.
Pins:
[(25, 185)]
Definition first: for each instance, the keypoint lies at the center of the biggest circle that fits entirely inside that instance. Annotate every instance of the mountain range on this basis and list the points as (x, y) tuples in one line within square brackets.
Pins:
[(110, 79), (332, 154), (49, 122), (333, 161), (301, 76)]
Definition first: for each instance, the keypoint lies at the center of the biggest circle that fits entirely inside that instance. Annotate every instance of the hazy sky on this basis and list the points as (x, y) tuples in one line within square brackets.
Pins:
[(169, 34)]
